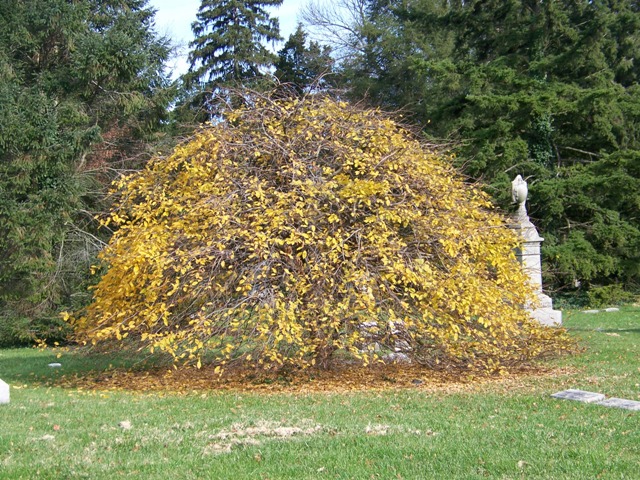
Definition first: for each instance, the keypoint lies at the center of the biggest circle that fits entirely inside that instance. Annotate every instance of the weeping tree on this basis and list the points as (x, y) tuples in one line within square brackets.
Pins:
[(297, 229)]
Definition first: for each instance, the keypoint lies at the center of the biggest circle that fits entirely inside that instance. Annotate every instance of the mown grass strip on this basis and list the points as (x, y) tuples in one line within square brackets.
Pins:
[(510, 429)]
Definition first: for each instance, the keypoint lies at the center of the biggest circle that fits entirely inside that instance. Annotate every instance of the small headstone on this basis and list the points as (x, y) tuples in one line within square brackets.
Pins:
[(591, 311), (396, 357), (612, 309), (621, 403), (55, 365), (579, 395), (4, 392)]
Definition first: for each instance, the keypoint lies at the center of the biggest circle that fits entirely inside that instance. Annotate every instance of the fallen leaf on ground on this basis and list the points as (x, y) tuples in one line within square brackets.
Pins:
[(336, 380)]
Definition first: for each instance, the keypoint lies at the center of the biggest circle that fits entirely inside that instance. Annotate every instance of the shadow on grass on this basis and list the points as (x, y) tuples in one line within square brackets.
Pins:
[(604, 330), (122, 372), (29, 364)]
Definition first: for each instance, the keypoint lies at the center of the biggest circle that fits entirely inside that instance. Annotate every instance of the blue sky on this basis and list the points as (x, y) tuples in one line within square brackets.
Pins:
[(174, 18)]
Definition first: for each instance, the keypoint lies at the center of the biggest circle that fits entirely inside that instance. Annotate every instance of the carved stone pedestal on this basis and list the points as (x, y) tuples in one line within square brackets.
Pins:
[(529, 257)]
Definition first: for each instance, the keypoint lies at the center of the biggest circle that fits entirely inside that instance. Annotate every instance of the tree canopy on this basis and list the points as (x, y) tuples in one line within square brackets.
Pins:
[(545, 89), (228, 46), (74, 76), (296, 229), (300, 65)]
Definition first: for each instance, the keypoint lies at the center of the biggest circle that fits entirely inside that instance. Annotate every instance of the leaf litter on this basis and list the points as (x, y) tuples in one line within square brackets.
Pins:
[(341, 379)]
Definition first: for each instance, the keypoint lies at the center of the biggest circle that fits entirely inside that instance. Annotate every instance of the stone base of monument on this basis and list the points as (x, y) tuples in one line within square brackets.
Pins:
[(545, 314), (4, 392)]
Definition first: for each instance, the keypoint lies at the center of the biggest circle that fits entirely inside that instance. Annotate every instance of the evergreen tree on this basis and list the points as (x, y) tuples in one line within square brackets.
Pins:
[(300, 66), (81, 87), (228, 44), (384, 66), (547, 89)]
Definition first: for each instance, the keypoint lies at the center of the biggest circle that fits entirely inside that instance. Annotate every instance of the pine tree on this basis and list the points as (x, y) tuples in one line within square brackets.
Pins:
[(81, 87), (300, 65), (385, 67), (546, 89), (228, 44)]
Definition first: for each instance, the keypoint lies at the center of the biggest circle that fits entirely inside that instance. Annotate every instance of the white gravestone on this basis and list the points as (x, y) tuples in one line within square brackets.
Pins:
[(4, 392), (529, 255), (621, 403), (579, 395)]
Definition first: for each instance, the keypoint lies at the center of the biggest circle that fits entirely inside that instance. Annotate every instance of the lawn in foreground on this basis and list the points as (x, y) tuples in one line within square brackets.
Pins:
[(510, 429)]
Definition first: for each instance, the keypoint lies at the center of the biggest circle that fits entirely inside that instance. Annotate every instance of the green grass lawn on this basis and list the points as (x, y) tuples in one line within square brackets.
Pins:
[(504, 430)]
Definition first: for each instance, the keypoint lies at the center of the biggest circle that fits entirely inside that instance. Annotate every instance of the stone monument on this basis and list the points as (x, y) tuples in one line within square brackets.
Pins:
[(529, 255)]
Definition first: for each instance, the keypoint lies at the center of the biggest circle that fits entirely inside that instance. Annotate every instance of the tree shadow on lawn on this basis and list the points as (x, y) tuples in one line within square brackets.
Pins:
[(33, 364), (126, 372), (604, 330)]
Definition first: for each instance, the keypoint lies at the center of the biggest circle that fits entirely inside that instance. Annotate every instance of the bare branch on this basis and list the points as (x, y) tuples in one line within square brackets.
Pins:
[(337, 24)]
